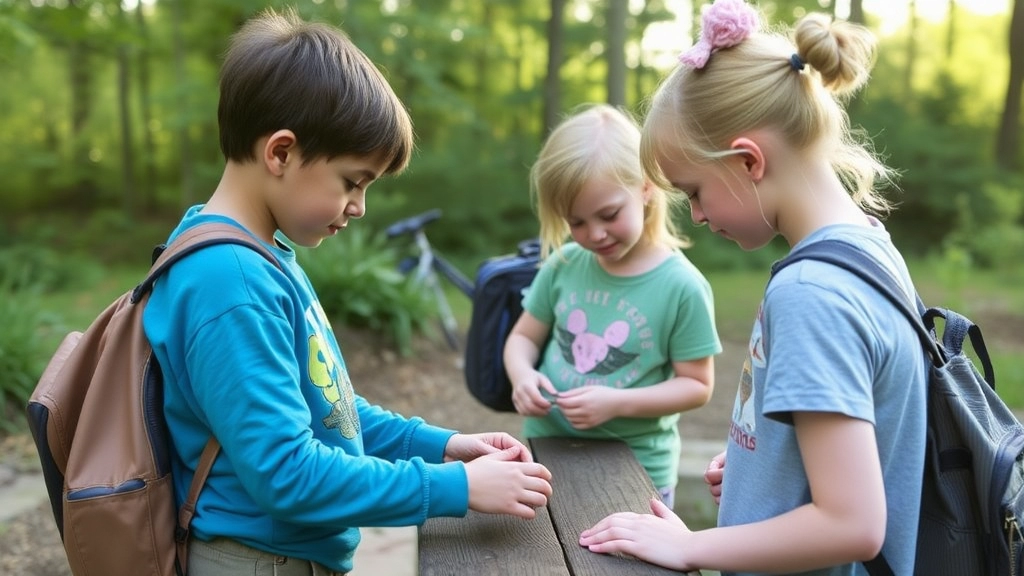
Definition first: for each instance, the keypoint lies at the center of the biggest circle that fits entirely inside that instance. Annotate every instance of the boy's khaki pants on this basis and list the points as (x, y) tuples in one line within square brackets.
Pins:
[(227, 557)]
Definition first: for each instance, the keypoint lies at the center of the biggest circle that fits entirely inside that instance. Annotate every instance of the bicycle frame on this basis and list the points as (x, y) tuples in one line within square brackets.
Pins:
[(427, 264)]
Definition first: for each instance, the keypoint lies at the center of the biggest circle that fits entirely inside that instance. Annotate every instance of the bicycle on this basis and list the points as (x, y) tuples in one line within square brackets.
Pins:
[(428, 267)]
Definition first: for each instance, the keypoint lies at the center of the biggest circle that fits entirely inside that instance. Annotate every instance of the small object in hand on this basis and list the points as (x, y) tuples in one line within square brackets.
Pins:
[(553, 398)]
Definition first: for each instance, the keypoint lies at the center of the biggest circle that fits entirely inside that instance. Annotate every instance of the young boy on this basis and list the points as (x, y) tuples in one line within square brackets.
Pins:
[(307, 123)]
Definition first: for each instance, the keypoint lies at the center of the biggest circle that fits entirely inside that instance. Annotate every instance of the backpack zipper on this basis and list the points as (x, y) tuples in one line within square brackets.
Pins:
[(1012, 529)]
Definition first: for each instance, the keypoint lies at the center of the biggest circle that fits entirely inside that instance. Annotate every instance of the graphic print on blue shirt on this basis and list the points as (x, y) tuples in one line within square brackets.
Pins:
[(743, 429), (327, 372)]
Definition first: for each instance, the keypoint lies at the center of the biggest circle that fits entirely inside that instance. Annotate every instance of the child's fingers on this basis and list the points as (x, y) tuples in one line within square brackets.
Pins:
[(664, 512), (506, 455), (545, 385), (659, 508)]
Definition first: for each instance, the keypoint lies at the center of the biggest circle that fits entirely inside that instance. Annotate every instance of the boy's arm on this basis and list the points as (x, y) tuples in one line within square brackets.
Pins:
[(258, 412), (392, 437)]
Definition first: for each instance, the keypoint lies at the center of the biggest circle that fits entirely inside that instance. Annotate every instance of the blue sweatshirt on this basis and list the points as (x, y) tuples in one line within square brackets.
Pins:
[(249, 357)]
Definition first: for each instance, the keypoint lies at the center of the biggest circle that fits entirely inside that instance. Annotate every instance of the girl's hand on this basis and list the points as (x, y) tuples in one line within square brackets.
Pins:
[(589, 406), (468, 447), (659, 538), (530, 395), (713, 476)]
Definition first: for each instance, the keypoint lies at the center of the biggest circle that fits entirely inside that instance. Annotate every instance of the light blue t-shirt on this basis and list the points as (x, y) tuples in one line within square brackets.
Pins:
[(824, 341), (249, 356)]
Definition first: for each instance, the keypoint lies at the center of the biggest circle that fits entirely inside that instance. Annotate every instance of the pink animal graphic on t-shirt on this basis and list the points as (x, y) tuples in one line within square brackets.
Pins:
[(589, 349)]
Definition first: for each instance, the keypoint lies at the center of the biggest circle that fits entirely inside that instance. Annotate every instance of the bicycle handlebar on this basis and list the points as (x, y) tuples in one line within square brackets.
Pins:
[(412, 224)]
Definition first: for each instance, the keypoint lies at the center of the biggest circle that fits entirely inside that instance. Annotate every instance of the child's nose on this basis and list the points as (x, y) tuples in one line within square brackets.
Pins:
[(356, 207), (697, 215)]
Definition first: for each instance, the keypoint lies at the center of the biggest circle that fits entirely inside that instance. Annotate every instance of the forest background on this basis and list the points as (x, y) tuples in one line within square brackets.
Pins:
[(108, 115)]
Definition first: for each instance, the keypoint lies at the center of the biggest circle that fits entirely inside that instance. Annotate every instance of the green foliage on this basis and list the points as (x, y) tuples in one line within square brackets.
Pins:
[(472, 74), (108, 236), (357, 279), (1009, 376), (992, 231), (23, 349), (25, 266)]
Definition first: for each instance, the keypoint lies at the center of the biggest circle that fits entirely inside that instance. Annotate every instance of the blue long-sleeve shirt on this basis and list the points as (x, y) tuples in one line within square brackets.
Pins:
[(249, 356)]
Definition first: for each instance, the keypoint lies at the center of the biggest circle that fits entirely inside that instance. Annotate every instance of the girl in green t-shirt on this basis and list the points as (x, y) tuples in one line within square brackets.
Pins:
[(617, 335)]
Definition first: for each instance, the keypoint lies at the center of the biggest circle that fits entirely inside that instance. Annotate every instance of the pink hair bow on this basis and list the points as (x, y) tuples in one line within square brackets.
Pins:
[(724, 24)]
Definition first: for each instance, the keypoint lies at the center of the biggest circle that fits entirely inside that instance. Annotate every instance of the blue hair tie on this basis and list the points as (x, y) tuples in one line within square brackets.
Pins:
[(795, 62)]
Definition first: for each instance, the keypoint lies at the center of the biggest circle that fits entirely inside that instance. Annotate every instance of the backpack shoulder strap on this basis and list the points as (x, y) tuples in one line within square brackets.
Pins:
[(846, 256), (188, 507), (196, 238)]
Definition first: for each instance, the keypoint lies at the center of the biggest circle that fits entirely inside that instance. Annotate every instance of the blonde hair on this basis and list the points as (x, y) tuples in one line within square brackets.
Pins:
[(598, 142), (756, 84)]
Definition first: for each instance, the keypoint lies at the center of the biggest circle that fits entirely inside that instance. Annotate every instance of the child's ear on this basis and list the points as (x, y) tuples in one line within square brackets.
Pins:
[(647, 192), (752, 155), (279, 150)]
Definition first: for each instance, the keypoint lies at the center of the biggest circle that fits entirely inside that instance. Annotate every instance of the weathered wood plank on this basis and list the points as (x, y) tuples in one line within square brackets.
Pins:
[(591, 479), (490, 545)]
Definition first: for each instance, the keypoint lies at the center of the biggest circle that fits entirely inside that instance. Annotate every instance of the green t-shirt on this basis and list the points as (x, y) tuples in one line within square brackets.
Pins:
[(623, 332)]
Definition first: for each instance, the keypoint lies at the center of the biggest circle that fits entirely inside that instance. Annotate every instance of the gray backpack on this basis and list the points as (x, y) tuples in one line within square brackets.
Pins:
[(972, 502)]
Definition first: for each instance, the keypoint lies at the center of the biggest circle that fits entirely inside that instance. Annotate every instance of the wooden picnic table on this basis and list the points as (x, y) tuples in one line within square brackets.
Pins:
[(590, 478)]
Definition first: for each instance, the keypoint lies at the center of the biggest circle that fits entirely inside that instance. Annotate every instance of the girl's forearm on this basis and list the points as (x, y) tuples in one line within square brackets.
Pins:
[(520, 355), (669, 397), (803, 539)]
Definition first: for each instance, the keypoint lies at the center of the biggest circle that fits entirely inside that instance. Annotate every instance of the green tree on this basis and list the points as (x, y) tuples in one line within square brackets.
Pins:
[(1008, 140)]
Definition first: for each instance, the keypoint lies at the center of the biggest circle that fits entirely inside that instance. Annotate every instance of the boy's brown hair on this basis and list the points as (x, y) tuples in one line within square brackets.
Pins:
[(283, 73)]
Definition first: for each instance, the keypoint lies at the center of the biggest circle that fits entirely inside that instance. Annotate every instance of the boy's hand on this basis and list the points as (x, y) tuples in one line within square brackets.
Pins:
[(468, 447), (531, 395), (500, 483)]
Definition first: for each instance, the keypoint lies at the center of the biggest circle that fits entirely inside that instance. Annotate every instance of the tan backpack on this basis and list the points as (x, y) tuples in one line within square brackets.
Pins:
[(97, 419)]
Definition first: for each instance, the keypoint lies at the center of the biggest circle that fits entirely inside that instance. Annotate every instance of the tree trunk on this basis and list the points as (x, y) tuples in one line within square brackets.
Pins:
[(147, 192), (481, 59), (184, 143), (951, 32), (127, 146), (908, 72), (640, 74), (856, 11), (556, 53), (1008, 141), (125, 116), (615, 51), (82, 189)]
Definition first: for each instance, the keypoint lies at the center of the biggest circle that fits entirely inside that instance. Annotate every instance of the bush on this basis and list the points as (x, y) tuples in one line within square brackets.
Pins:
[(39, 267), (23, 350), (357, 279)]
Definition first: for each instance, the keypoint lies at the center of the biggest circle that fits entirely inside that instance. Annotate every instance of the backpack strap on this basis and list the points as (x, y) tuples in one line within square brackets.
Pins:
[(188, 508), (193, 239), (189, 241), (957, 327)]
